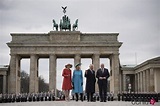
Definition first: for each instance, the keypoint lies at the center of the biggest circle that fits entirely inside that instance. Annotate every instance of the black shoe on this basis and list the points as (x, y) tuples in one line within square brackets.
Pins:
[(101, 101), (104, 100)]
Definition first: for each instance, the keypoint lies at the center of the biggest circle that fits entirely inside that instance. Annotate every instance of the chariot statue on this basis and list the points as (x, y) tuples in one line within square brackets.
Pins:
[(65, 23)]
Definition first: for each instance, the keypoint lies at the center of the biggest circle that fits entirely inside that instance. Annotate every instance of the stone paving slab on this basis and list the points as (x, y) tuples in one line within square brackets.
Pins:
[(74, 103)]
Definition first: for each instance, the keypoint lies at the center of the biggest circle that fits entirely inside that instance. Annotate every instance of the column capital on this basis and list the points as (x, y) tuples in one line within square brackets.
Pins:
[(116, 53), (52, 55), (96, 54), (78, 54), (35, 55), (12, 54), (17, 56)]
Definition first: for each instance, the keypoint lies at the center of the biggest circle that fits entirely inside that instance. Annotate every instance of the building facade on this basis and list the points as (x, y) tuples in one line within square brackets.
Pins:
[(74, 44), (143, 77), (4, 78), (61, 44)]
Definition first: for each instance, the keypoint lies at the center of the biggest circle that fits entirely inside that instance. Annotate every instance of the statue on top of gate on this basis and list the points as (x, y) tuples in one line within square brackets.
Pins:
[(65, 22)]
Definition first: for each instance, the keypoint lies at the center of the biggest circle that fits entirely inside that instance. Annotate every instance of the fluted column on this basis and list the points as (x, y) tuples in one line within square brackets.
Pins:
[(96, 62), (14, 76), (151, 88), (77, 59), (115, 82), (136, 82), (33, 85), (120, 77), (144, 81), (4, 83), (18, 68), (141, 81), (147, 80), (124, 82), (52, 72)]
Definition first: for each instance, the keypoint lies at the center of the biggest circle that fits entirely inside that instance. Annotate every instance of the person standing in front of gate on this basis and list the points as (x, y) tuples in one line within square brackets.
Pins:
[(77, 82), (90, 82), (67, 82), (102, 75)]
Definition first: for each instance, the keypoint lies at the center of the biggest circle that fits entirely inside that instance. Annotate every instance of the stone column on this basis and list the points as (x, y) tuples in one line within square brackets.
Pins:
[(141, 82), (151, 87), (18, 68), (77, 59), (4, 83), (33, 87), (115, 88), (14, 75), (136, 82), (96, 62), (144, 81), (147, 80), (120, 77), (52, 72), (124, 82)]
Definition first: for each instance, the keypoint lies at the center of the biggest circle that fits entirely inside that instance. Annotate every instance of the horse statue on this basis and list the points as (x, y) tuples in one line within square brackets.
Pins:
[(55, 25), (75, 25), (65, 23)]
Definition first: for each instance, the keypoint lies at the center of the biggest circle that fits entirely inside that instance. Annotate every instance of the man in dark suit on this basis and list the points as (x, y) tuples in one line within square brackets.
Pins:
[(90, 82), (102, 75)]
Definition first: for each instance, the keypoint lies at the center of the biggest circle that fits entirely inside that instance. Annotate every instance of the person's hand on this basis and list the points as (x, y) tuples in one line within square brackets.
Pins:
[(100, 77), (67, 75), (104, 77), (72, 85)]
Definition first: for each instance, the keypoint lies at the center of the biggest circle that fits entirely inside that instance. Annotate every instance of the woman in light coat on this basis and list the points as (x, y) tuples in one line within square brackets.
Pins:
[(77, 82)]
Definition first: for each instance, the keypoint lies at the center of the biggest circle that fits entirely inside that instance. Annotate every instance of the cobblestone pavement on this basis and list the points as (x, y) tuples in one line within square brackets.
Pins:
[(79, 103)]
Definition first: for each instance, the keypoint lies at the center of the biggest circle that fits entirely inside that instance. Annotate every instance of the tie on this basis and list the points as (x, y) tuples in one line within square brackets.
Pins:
[(103, 70), (91, 71)]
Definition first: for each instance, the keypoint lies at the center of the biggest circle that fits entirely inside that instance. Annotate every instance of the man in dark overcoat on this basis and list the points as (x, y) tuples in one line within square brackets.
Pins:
[(102, 75), (90, 82)]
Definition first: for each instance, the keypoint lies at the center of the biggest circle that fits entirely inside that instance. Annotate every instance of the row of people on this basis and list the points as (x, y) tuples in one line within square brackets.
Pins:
[(75, 82), (96, 97), (24, 97), (144, 97)]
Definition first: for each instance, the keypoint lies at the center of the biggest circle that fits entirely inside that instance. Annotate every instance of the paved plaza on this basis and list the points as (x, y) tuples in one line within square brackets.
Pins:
[(74, 103)]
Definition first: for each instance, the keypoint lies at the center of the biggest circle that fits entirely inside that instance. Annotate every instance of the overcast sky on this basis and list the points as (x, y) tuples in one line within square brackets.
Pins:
[(137, 21)]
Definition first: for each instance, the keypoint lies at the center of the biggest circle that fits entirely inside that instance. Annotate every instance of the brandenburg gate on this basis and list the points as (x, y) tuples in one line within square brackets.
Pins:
[(61, 44)]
